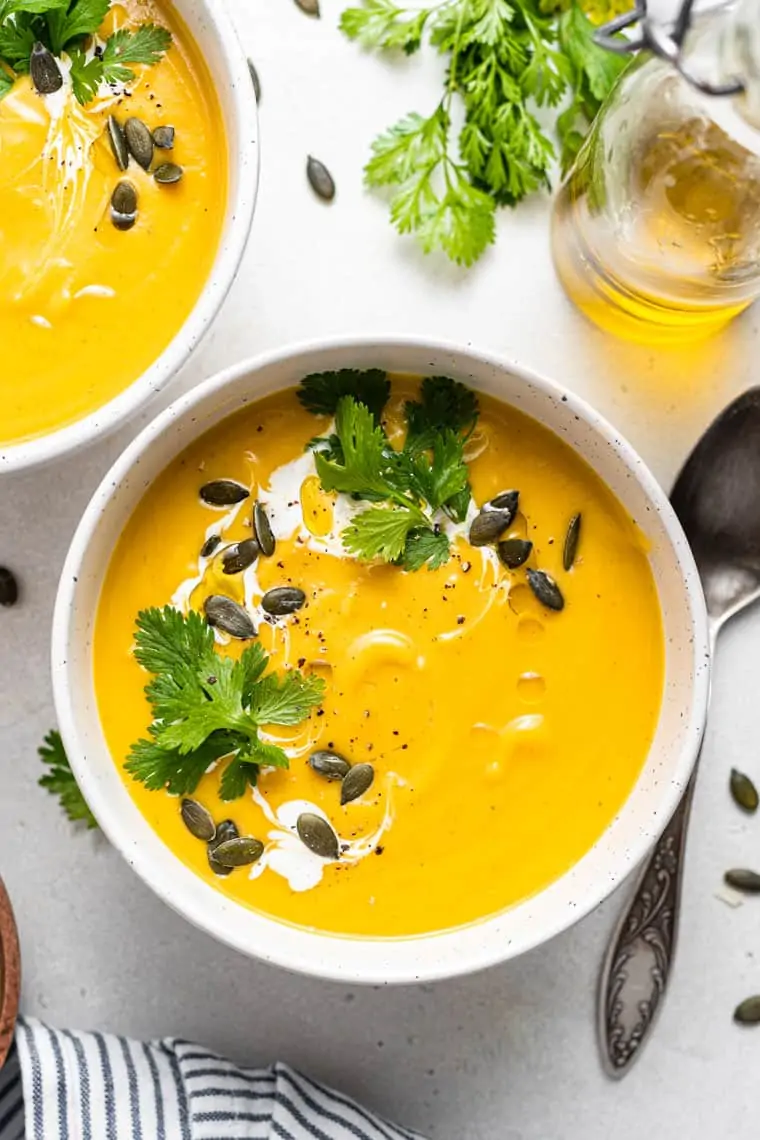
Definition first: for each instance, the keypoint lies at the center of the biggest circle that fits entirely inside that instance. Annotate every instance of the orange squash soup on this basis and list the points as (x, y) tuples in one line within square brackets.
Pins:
[(112, 198), (413, 662)]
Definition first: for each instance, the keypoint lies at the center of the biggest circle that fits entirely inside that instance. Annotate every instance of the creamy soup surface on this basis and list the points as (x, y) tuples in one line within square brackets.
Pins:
[(503, 736)]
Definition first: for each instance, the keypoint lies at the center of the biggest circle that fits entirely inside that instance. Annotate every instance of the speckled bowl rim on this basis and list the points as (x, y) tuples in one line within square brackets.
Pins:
[(10, 973), (233, 82), (344, 958)]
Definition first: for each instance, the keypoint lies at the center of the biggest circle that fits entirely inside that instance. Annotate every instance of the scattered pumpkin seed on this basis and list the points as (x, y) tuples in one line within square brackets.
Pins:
[(263, 530), (571, 542), (214, 863), (210, 545), (226, 830), (118, 142), (514, 552), (310, 7), (124, 198), (283, 600), (139, 141), (546, 590), (504, 501), (741, 880), (123, 221), (168, 173), (44, 70), (356, 782), (163, 138), (320, 179), (240, 556), (255, 80), (331, 765), (225, 614), (198, 821), (317, 834), (239, 852), (8, 587), (743, 791), (489, 525), (748, 1011), (223, 493)]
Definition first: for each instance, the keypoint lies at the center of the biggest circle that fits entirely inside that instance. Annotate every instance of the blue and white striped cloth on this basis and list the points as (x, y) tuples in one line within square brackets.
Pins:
[(63, 1085)]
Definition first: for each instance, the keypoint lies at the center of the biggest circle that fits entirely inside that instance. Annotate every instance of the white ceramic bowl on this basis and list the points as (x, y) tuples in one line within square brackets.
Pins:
[(459, 951), (213, 31)]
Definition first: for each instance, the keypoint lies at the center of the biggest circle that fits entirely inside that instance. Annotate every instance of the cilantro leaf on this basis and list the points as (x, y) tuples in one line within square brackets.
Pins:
[(594, 74), (424, 545), (17, 38), (85, 75), (60, 781), (285, 699), (146, 44), (440, 473), (365, 467), (381, 532), (68, 22), (381, 24), (321, 392), (177, 772), (443, 403)]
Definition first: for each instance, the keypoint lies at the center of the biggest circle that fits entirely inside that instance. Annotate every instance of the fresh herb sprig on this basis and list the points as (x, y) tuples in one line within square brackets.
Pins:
[(59, 780), (208, 708), (63, 26), (504, 57), (408, 486)]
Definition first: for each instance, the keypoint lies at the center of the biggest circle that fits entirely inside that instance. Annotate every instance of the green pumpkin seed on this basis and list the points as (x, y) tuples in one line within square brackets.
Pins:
[(168, 173), (356, 783), (118, 142), (741, 880), (310, 7), (546, 590), (255, 80), (124, 198), (748, 1011), (743, 791), (44, 70), (139, 141), (210, 545), (239, 852), (198, 821), (489, 525), (571, 542), (283, 600), (8, 587), (226, 830), (214, 863), (240, 556), (263, 530), (320, 179), (317, 834), (163, 138), (513, 552), (223, 493), (225, 614), (123, 221), (504, 501), (331, 765)]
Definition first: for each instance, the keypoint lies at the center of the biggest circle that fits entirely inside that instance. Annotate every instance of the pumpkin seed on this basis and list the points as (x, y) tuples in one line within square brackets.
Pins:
[(223, 493), (504, 501), (546, 590), (168, 173), (310, 7), (748, 1011), (214, 864), (317, 834), (571, 542), (118, 142), (263, 530), (226, 830), (283, 600), (514, 552), (741, 880), (743, 791), (45, 72), (124, 198), (210, 545), (329, 764), (489, 525), (320, 179), (163, 138), (198, 820), (239, 852), (8, 587), (240, 556), (356, 783), (222, 613), (255, 80), (140, 142), (123, 221)]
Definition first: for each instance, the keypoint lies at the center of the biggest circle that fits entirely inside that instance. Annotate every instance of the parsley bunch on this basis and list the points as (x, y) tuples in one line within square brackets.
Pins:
[(59, 781), (409, 486), (504, 58), (63, 26), (208, 708)]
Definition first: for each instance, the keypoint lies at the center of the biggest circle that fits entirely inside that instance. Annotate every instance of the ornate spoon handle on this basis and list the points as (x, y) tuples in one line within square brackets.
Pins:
[(639, 958)]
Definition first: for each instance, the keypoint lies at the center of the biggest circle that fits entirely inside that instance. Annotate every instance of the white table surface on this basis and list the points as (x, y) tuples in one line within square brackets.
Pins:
[(508, 1054)]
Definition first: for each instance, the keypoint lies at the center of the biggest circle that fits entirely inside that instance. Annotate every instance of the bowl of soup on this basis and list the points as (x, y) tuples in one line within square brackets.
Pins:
[(382, 661), (130, 166)]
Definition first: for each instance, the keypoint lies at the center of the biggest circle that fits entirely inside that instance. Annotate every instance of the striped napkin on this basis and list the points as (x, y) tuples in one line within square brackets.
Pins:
[(62, 1085)]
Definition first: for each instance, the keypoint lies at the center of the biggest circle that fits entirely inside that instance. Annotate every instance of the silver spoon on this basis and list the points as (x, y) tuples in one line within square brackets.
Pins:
[(717, 499)]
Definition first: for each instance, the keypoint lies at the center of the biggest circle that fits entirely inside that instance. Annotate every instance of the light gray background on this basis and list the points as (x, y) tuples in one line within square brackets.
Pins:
[(508, 1054)]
